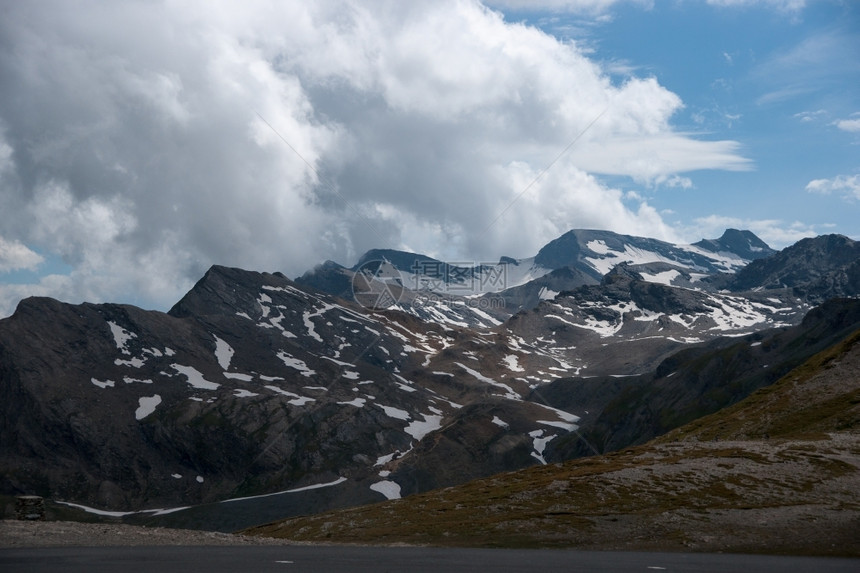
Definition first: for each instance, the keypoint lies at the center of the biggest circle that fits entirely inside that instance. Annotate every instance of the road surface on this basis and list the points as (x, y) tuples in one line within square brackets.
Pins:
[(337, 559)]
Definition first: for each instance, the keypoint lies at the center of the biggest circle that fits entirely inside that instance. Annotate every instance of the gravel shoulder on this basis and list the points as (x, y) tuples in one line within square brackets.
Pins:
[(15, 533)]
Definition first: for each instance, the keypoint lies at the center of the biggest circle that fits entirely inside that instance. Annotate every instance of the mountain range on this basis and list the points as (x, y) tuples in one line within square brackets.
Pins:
[(258, 397)]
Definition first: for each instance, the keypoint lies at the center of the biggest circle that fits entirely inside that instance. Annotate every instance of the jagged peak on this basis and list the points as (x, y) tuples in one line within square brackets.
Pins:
[(218, 290)]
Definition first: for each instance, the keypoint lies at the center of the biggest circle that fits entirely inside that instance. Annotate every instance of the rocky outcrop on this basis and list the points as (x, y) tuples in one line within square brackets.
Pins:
[(813, 269)]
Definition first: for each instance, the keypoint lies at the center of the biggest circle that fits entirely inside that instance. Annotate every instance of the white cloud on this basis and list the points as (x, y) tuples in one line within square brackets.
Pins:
[(675, 181), (597, 7), (562, 199), (590, 7), (777, 234), (132, 143), (790, 6), (14, 255), (847, 185), (657, 157), (808, 116), (852, 125)]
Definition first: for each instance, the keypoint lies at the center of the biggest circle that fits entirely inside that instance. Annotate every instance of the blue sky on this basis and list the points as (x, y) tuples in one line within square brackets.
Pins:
[(783, 82), (142, 142)]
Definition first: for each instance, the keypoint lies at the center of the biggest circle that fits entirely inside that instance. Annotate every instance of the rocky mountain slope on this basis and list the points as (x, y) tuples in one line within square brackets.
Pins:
[(777, 472), (257, 397), (812, 269), (249, 385)]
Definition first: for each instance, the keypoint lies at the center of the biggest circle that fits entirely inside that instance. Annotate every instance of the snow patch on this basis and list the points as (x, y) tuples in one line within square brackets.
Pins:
[(599, 247), (97, 511), (547, 294), (122, 513), (512, 362), (418, 429), (121, 337), (103, 384), (539, 443), (295, 363), (568, 420), (387, 488), (339, 480), (146, 406), (395, 413), (511, 395), (242, 393), (297, 400), (223, 352), (664, 278), (195, 378), (238, 376)]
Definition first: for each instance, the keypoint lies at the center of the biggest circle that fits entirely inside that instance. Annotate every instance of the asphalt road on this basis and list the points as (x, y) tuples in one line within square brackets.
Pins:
[(338, 559)]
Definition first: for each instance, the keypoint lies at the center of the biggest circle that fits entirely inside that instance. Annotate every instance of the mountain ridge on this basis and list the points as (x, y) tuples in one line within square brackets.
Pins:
[(276, 398)]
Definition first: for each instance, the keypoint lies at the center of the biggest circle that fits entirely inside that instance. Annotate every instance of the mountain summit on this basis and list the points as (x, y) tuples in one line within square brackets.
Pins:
[(743, 243)]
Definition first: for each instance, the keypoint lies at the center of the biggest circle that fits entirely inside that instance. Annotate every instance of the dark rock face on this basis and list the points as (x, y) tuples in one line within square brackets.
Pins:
[(814, 269)]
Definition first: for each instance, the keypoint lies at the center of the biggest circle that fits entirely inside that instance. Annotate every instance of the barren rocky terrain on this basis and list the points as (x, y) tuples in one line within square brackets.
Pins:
[(15, 533), (776, 473), (790, 497)]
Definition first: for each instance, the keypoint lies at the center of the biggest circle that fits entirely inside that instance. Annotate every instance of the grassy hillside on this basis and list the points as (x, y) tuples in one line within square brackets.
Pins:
[(778, 472), (820, 396)]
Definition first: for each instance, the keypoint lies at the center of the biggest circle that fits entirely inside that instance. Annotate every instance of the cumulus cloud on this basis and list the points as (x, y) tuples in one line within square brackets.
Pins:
[(675, 181), (776, 233), (846, 185), (143, 142), (14, 255), (852, 125)]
